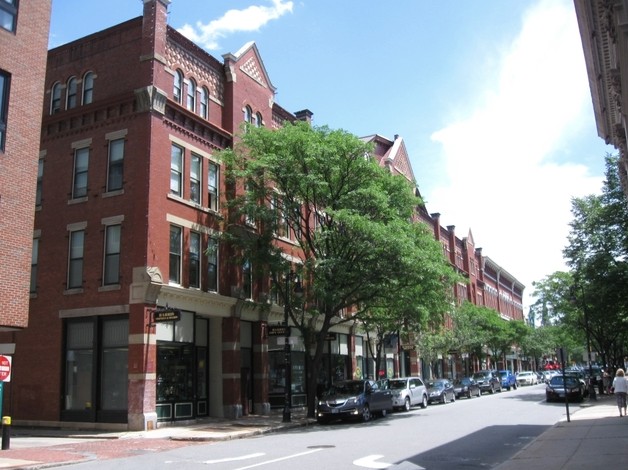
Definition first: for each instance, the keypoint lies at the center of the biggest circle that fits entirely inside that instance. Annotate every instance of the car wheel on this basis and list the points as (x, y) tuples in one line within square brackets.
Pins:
[(384, 413), (366, 413), (406, 404), (514, 386), (453, 397), (424, 402)]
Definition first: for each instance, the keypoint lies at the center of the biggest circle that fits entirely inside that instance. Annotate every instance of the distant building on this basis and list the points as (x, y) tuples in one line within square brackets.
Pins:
[(605, 44), (139, 315), (24, 30)]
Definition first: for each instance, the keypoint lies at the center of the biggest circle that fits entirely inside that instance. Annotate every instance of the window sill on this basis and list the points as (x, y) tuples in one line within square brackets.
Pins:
[(78, 290), (77, 200), (108, 288)]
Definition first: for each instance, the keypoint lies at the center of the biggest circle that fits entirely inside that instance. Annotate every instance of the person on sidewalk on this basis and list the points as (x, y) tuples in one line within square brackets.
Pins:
[(620, 387)]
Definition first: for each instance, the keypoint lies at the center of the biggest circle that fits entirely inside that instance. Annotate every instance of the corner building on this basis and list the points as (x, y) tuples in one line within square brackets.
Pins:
[(130, 200)]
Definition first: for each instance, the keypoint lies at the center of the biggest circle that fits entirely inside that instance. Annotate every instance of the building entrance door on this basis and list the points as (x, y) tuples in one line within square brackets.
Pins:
[(176, 381)]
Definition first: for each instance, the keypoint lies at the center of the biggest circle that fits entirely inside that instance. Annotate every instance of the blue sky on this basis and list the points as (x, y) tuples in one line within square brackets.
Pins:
[(490, 96)]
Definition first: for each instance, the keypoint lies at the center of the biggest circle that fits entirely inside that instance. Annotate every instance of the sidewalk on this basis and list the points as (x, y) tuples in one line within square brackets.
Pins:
[(595, 437)]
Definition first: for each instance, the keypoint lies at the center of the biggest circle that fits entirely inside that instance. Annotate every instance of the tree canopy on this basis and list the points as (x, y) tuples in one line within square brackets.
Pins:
[(357, 246)]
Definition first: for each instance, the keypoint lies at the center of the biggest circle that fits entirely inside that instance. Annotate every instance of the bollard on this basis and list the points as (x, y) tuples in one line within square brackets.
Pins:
[(6, 432)]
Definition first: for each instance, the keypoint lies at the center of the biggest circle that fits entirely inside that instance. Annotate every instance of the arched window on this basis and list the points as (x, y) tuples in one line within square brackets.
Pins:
[(88, 87), (55, 98), (248, 114), (70, 99), (191, 100), (204, 102), (258, 120), (178, 85)]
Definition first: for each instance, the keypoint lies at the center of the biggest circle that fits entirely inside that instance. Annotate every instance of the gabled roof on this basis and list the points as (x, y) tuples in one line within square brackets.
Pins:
[(250, 64), (392, 154)]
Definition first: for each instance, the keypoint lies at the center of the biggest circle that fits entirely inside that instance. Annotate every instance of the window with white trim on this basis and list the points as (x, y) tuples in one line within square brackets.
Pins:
[(111, 265), (115, 165), (191, 96), (194, 268), (75, 259), (81, 164), (88, 87), (212, 185), (195, 178), (175, 254), (177, 86), (204, 103), (55, 98), (71, 93), (212, 264), (176, 170)]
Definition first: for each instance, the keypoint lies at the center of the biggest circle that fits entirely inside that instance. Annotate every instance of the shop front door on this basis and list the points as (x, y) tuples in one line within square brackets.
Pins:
[(176, 381)]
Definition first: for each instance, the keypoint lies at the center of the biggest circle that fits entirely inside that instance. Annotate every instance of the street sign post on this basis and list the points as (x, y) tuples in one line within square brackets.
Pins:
[(5, 368)]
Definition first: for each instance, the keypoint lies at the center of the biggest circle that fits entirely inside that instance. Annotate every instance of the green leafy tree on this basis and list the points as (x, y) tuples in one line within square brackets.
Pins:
[(356, 243), (597, 254)]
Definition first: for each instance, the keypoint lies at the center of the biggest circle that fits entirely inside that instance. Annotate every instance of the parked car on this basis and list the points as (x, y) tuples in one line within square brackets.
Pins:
[(440, 391), (571, 386), (407, 392), (488, 381), (466, 387), (527, 377), (509, 380), (353, 399)]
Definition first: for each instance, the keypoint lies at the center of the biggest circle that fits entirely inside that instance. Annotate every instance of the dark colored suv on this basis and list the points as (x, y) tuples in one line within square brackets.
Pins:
[(488, 380)]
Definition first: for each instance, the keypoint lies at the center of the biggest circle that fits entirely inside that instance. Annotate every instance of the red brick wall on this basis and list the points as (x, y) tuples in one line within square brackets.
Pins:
[(23, 55)]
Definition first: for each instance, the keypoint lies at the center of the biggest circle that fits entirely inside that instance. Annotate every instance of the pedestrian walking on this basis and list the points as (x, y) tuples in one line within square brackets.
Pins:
[(620, 388), (606, 379)]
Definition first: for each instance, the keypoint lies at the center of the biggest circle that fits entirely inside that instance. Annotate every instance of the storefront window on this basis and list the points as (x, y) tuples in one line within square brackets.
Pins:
[(114, 373), (79, 360)]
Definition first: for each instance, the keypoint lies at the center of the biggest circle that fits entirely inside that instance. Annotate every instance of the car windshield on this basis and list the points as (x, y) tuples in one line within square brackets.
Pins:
[(557, 381), (398, 384), (345, 388), (436, 384), (465, 381), (504, 374), (479, 376)]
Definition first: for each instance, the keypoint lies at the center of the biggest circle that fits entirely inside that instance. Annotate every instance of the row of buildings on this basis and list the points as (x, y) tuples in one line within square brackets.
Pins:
[(111, 203)]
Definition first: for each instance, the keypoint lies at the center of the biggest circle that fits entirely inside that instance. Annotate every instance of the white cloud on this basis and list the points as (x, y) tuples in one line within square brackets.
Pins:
[(249, 19), (505, 181)]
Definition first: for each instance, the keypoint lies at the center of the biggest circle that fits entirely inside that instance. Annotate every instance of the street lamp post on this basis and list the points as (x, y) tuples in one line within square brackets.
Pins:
[(298, 291)]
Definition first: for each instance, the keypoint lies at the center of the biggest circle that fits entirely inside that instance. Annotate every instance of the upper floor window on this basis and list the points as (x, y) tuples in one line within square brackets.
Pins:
[(4, 106), (75, 262), (8, 14), (248, 114), (115, 165), (176, 171), (257, 120), (81, 163), (212, 264), (195, 260), (88, 87), (191, 96), (204, 103), (111, 262), (40, 176), (175, 254), (212, 186), (178, 86), (55, 97), (195, 179), (247, 279), (34, 262), (71, 93)]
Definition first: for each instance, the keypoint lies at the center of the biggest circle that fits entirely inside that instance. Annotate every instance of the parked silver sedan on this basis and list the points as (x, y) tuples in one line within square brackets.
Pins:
[(407, 392)]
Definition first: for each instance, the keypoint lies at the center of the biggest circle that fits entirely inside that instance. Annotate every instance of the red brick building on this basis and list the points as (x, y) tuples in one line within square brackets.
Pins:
[(23, 42), (139, 315)]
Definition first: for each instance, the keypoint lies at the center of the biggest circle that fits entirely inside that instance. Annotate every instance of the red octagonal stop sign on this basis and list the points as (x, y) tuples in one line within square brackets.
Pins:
[(5, 368)]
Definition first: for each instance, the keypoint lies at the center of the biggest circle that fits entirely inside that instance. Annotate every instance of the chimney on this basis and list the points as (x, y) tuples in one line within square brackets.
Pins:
[(154, 28), (304, 115)]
